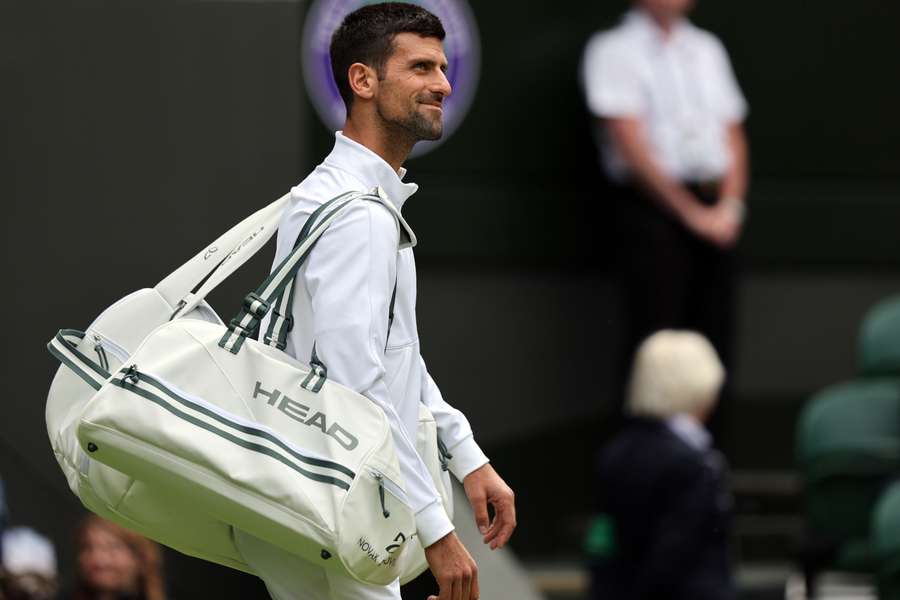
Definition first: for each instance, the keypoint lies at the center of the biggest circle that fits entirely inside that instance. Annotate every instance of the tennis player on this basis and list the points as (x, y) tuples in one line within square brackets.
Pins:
[(389, 65)]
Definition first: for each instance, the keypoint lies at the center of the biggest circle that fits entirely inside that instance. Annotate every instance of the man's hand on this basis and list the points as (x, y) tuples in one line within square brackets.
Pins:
[(453, 568), (483, 486), (715, 224)]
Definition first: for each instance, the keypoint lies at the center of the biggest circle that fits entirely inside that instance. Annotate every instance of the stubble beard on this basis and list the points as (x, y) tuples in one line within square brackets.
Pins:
[(423, 129), (415, 126)]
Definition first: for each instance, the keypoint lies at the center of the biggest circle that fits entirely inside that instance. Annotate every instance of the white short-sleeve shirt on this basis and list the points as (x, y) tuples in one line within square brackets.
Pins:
[(680, 85)]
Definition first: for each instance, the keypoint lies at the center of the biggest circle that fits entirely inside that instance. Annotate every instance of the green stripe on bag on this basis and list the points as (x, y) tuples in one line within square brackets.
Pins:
[(229, 437), (75, 368), (318, 462)]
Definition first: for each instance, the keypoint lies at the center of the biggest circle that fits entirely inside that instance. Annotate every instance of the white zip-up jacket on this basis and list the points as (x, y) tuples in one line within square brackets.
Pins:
[(342, 300)]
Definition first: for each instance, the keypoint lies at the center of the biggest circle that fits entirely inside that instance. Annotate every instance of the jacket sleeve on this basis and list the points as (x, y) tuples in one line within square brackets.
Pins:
[(611, 80), (350, 277), (453, 428)]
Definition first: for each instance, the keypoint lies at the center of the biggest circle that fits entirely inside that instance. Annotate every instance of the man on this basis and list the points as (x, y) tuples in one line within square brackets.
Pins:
[(669, 116), (389, 65), (662, 486)]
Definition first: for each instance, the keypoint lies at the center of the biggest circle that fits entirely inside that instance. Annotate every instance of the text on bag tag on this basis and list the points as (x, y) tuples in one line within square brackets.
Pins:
[(299, 412)]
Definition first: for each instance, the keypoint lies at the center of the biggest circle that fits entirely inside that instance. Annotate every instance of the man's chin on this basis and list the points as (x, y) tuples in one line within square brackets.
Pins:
[(422, 128), (433, 136), (429, 132)]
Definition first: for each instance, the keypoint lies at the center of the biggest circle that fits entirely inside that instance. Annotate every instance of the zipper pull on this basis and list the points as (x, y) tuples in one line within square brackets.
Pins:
[(101, 353), (443, 454), (131, 375), (380, 480)]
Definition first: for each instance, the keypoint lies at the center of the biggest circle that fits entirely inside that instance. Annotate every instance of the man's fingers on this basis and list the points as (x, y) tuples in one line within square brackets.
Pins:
[(466, 589), (479, 507), (465, 585), (502, 537), (504, 524), (470, 584), (459, 586)]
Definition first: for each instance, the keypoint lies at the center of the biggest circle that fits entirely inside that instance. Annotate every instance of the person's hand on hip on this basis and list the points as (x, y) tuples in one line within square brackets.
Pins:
[(453, 568), (483, 486)]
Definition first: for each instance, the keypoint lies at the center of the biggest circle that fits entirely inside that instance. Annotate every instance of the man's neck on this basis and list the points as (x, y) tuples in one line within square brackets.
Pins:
[(663, 20), (379, 141)]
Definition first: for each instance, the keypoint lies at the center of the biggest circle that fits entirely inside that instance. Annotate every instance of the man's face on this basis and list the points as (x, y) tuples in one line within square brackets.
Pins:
[(413, 85)]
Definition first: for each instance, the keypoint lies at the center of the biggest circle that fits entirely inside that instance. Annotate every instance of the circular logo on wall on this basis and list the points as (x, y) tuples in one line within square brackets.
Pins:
[(461, 47)]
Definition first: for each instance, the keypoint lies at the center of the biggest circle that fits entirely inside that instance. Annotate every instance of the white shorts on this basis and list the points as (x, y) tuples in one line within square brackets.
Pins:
[(290, 578)]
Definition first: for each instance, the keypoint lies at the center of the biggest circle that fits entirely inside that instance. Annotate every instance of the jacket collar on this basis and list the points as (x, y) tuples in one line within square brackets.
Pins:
[(370, 169), (647, 28), (690, 431)]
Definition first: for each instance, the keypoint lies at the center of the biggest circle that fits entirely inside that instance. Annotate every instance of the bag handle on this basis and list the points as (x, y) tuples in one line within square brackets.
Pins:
[(256, 304), (282, 320), (64, 346), (189, 284)]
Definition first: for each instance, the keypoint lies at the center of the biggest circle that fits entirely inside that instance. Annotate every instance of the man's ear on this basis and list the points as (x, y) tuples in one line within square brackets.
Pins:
[(363, 80)]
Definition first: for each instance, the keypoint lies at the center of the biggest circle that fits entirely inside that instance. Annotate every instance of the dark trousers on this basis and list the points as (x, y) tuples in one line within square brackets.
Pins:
[(674, 280)]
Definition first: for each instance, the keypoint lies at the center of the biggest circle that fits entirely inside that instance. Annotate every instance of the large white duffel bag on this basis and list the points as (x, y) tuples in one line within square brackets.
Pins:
[(193, 428)]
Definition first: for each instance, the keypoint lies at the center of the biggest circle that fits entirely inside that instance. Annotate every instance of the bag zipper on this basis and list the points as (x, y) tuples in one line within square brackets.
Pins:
[(101, 353), (443, 454), (104, 345), (393, 489), (380, 479)]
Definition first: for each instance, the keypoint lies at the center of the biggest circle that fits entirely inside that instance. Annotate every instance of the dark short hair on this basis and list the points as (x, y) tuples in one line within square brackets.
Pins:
[(367, 36)]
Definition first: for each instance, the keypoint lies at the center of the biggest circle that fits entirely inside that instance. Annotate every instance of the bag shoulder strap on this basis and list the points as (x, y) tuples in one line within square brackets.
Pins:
[(190, 283), (282, 320), (256, 304)]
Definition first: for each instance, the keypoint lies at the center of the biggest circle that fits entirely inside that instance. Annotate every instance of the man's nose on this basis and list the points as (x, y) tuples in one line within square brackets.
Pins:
[(442, 84)]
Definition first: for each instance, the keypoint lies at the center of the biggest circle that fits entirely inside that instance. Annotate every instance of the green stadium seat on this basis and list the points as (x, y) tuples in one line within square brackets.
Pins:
[(848, 450), (879, 340), (886, 531)]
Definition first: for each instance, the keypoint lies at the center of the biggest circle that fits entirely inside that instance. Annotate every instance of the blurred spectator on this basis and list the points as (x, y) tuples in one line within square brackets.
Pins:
[(669, 114), (116, 564), (28, 567), (663, 489)]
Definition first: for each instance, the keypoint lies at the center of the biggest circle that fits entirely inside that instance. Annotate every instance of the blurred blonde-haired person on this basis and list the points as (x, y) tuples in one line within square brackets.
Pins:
[(115, 563), (662, 486)]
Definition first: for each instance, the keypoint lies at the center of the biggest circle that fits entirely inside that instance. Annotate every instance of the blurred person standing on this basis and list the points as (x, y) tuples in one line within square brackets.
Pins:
[(115, 564), (669, 118), (662, 487)]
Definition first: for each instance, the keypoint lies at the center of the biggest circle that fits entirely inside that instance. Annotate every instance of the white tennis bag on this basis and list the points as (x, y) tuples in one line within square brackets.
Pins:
[(175, 425)]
